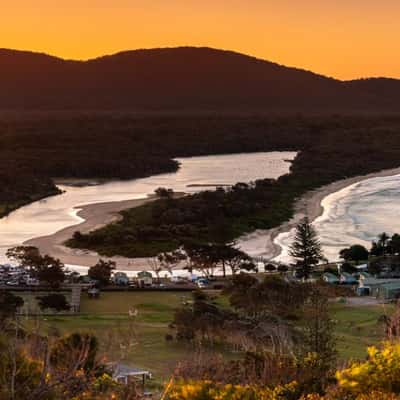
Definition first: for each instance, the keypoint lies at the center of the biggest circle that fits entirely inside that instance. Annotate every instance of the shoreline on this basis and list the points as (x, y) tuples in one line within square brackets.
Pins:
[(100, 214), (308, 205), (94, 216)]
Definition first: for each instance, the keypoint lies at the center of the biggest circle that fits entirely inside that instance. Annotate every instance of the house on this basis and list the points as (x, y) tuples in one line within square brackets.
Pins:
[(384, 289), (121, 279), (362, 267), (347, 279), (145, 279), (363, 291), (389, 291), (373, 283), (87, 280), (123, 373), (330, 278)]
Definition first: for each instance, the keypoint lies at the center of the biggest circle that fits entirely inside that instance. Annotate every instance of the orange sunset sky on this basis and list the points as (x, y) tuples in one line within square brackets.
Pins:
[(341, 38)]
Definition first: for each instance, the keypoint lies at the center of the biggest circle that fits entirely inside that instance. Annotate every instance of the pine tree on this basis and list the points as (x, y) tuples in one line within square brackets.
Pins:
[(318, 346), (306, 249)]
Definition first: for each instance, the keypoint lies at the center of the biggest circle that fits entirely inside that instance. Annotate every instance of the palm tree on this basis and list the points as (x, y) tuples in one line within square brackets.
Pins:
[(383, 240)]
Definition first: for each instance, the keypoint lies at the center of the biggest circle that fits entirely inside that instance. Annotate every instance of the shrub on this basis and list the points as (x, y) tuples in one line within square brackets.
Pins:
[(207, 390), (381, 371)]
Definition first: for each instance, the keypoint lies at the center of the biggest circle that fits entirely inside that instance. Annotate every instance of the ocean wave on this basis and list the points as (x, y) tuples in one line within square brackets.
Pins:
[(354, 215)]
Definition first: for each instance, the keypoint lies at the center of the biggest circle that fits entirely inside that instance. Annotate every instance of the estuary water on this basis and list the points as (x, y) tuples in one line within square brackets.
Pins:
[(52, 214)]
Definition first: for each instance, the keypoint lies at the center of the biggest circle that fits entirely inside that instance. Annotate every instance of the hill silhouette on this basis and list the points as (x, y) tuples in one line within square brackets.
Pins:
[(184, 78)]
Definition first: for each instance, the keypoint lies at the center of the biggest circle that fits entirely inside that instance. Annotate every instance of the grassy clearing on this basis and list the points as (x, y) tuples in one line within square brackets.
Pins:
[(358, 327), (136, 341), (151, 306)]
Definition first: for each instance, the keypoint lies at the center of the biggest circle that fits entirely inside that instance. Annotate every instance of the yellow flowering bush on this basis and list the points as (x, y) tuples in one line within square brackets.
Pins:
[(381, 371), (378, 396), (207, 390), (377, 378), (374, 395)]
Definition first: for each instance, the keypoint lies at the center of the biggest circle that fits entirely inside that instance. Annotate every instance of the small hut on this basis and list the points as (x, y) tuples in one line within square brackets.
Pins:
[(123, 373), (121, 278), (145, 279)]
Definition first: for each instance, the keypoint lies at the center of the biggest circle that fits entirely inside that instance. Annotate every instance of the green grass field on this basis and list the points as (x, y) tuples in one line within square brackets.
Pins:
[(358, 327), (151, 306), (140, 341)]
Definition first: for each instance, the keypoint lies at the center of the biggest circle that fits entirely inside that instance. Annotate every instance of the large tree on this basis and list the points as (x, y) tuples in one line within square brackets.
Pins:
[(101, 271), (170, 260), (318, 345), (156, 266), (271, 297), (202, 257), (9, 305), (54, 301), (50, 271), (206, 257), (355, 253), (26, 256), (382, 246), (232, 257), (46, 269), (306, 249)]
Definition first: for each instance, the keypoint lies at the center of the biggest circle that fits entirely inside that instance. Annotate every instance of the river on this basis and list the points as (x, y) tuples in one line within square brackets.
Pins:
[(52, 214)]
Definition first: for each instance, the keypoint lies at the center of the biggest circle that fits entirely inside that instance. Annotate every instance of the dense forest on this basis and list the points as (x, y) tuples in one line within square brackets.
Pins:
[(331, 148), (35, 147)]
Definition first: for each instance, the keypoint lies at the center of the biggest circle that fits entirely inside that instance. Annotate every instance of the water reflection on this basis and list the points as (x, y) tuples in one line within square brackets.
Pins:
[(54, 213)]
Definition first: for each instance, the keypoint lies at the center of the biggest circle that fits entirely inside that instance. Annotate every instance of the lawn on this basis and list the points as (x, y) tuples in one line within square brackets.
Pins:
[(138, 341), (151, 306), (358, 327), (141, 341)]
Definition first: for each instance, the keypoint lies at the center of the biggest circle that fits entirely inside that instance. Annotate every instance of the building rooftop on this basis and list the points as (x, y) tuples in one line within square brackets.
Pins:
[(331, 276), (126, 370), (144, 274), (391, 285)]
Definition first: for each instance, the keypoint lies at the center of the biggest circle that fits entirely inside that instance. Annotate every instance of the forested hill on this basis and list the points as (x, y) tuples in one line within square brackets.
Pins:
[(183, 78), (383, 88)]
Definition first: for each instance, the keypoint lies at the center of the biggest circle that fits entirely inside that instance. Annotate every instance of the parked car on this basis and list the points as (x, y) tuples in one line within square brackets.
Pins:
[(159, 285), (202, 282), (32, 282), (179, 279)]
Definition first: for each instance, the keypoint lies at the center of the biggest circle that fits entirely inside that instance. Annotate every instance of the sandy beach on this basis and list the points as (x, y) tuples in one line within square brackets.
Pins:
[(309, 205), (95, 216), (98, 215)]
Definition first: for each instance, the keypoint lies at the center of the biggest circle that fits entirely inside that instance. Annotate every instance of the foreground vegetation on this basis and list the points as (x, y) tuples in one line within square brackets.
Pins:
[(377, 378), (172, 328), (356, 326)]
